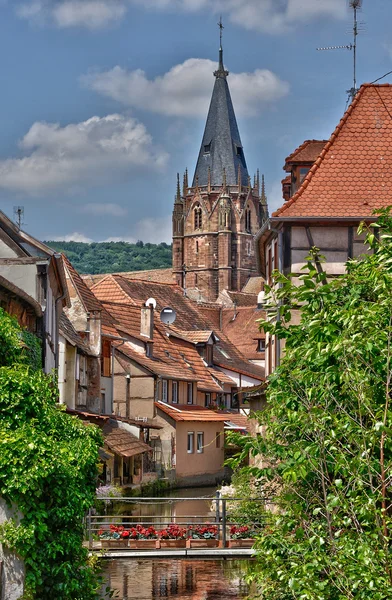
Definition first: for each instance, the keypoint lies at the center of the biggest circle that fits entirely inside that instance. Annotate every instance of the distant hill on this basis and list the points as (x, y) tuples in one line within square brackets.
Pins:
[(114, 257)]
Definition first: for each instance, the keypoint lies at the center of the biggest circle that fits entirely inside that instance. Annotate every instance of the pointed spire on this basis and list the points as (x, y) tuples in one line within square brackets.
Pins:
[(185, 184), (178, 199), (196, 184), (239, 178), (249, 183), (258, 182), (263, 197), (209, 180), (254, 181)]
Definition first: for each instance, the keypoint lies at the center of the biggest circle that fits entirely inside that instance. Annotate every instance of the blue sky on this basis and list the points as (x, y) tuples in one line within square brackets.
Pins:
[(103, 101)]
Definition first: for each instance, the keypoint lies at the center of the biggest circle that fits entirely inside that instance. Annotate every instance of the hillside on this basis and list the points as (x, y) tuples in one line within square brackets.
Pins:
[(114, 257)]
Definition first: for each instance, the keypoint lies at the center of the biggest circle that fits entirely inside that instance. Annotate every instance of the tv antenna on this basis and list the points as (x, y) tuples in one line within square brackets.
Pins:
[(19, 215), (355, 5)]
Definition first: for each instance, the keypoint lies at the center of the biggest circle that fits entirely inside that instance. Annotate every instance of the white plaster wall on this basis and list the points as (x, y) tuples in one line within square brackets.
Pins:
[(6, 251), (240, 380), (62, 368), (13, 575), (106, 388), (23, 276)]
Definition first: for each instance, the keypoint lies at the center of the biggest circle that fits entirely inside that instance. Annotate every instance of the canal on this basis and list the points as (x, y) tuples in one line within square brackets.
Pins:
[(188, 579)]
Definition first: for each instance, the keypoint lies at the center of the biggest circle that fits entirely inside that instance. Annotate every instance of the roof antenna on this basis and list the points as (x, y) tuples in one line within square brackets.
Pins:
[(355, 5), (19, 215)]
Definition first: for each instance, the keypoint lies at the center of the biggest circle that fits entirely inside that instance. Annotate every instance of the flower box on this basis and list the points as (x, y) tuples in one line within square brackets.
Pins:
[(202, 543), (144, 544), (114, 544), (241, 543), (172, 543)]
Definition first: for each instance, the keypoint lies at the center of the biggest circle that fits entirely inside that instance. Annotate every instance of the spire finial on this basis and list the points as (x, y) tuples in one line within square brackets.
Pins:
[(263, 196), (178, 193), (221, 69), (224, 184), (258, 182), (239, 178)]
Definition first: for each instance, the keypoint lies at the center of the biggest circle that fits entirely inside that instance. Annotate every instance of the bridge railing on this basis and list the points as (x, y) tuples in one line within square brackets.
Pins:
[(117, 516)]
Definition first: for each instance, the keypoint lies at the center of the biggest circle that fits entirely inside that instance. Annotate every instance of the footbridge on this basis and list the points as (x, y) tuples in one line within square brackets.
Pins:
[(166, 527)]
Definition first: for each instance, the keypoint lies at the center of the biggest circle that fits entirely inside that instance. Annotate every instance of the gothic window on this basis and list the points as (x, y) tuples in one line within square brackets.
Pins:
[(248, 224), (198, 216), (197, 247)]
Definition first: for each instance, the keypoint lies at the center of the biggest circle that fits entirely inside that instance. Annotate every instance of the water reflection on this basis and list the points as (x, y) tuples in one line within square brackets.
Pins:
[(177, 579), (158, 511)]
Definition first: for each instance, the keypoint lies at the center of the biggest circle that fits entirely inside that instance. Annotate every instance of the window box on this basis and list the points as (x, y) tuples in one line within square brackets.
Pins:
[(244, 543)]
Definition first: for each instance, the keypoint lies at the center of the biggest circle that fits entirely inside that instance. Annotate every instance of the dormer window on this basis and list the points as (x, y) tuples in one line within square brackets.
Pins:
[(303, 171), (260, 346), (207, 148), (198, 216)]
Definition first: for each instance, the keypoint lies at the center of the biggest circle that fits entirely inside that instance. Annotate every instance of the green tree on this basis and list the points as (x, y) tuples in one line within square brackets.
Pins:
[(48, 470), (328, 445)]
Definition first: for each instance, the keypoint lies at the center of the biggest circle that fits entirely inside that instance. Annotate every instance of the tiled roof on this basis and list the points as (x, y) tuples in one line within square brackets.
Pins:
[(243, 330), (126, 318), (242, 298), (253, 285), (122, 442), (353, 174), (182, 412), (237, 419), (190, 315), (195, 337), (308, 151), (220, 376), (157, 275), (70, 334), (90, 302)]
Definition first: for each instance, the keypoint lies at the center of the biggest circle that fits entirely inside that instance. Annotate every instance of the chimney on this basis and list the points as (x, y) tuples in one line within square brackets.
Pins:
[(147, 326)]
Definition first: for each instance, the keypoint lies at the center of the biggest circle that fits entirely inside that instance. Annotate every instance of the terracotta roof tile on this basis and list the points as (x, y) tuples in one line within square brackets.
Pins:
[(243, 330), (353, 174), (183, 412), (243, 298), (70, 334), (123, 442), (157, 275), (254, 285), (308, 151), (90, 302)]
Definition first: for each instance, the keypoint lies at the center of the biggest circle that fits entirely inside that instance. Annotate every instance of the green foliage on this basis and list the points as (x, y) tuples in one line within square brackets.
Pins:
[(327, 446), (18, 345), (112, 257), (48, 470)]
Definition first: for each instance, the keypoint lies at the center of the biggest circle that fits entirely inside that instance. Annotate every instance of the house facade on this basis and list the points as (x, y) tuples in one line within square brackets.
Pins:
[(348, 180)]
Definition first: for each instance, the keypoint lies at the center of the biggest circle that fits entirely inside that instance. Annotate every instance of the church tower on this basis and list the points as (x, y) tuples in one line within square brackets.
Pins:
[(215, 220)]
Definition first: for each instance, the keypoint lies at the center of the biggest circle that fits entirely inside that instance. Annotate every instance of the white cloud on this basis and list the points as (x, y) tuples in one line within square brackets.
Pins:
[(268, 16), (185, 90), (92, 14), (102, 210), (150, 229), (71, 237), (92, 152)]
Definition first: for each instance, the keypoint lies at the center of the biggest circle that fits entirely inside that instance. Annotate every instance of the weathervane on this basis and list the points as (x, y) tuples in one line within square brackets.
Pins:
[(355, 5), (221, 28)]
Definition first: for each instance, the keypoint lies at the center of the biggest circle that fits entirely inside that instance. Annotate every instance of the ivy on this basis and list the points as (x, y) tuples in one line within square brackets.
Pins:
[(327, 447), (48, 470)]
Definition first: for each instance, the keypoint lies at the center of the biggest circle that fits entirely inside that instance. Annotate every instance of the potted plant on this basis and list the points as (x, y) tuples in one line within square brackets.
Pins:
[(172, 537), (241, 537), (202, 536), (143, 538), (114, 537)]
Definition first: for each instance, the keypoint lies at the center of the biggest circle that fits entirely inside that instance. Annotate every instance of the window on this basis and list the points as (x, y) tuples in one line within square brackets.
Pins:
[(208, 399), (175, 392), (260, 346), (248, 218), (190, 393), (164, 390), (191, 442), (217, 439), (103, 403), (198, 215), (207, 148), (197, 247), (106, 358), (209, 355), (303, 171), (200, 442)]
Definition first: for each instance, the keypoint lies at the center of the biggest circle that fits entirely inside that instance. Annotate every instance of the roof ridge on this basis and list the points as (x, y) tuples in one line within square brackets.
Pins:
[(324, 151), (174, 284)]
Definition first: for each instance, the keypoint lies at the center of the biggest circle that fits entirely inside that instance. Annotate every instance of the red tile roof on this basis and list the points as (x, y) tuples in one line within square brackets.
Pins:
[(190, 316), (243, 330), (353, 174), (90, 302), (157, 275), (183, 412), (307, 152), (254, 285)]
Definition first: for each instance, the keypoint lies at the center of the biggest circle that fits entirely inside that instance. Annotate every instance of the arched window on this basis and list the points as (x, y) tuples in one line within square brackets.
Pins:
[(248, 224), (198, 216)]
